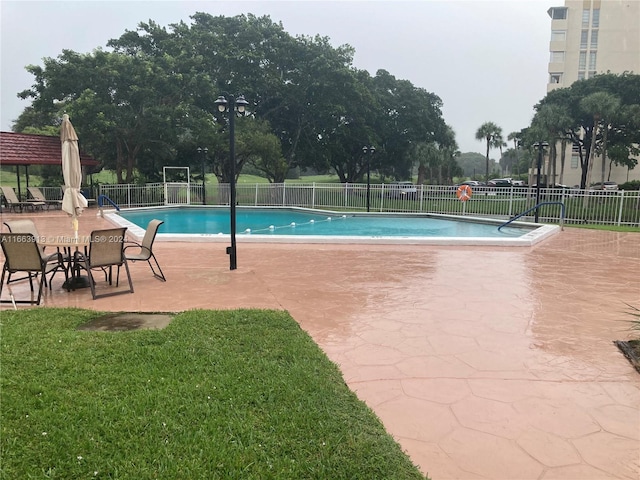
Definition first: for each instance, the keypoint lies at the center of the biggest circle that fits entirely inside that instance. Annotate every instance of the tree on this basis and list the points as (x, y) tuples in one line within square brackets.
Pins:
[(584, 130), (601, 105), (492, 134)]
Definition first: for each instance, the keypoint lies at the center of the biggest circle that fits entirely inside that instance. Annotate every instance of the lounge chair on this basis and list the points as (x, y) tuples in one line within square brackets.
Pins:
[(22, 254), (38, 196), (145, 249), (11, 199), (106, 250)]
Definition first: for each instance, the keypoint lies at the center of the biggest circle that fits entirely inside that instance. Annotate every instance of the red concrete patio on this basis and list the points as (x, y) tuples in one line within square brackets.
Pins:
[(483, 362)]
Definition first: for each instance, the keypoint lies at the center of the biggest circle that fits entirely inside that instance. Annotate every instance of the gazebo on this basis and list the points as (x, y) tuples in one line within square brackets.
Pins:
[(25, 149)]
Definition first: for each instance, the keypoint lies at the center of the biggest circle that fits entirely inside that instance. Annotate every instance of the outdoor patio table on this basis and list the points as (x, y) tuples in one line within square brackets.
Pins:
[(71, 254)]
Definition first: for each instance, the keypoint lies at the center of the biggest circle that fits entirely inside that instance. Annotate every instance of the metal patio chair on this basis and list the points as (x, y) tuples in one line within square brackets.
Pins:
[(22, 254), (106, 250), (145, 249), (27, 226)]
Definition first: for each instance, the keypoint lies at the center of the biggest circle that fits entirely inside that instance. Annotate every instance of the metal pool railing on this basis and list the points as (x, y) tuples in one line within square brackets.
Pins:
[(581, 206)]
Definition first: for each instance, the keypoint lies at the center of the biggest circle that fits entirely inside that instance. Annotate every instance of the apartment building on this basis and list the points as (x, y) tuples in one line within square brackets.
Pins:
[(590, 37)]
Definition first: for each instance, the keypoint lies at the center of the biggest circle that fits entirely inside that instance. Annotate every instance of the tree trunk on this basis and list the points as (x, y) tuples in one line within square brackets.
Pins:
[(604, 152), (486, 179), (590, 160), (563, 154)]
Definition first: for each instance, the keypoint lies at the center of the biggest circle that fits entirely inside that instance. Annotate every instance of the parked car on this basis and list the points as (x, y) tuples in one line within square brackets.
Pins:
[(471, 183), (499, 182), (401, 190), (605, 186)]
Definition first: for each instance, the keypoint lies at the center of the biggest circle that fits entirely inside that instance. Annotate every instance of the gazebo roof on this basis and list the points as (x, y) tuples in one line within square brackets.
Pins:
[(30, 149)]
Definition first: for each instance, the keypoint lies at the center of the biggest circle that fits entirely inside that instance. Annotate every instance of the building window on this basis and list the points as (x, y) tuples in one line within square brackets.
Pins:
[(581, 76), (555, 78), (575, 161), (592, 60), (595, 19), (594, 39), (584, 36), (582, 61), (585, 18), (558, 13), (592, 74), (558, 35), (557, 57)]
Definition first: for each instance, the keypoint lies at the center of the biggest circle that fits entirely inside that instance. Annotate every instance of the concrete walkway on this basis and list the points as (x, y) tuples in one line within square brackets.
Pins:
[(483, 362)]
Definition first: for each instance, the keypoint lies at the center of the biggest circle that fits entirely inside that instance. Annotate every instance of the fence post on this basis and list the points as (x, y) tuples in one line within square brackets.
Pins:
[(621, 207), (255, 202), (313, 195)]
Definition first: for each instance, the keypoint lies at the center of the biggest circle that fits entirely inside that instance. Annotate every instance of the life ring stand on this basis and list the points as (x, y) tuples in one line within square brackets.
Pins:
[(464, 193)]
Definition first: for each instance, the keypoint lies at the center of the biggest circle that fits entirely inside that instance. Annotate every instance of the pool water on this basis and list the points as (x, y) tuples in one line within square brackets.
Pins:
[(300, 222)]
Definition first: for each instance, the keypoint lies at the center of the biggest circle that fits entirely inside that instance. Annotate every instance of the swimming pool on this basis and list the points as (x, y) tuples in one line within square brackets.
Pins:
[(261, 224)]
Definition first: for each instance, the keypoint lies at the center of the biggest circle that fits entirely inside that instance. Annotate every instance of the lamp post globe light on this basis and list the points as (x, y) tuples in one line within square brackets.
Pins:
[(233, 106), (540, 146), (202, 152), (368, 152)]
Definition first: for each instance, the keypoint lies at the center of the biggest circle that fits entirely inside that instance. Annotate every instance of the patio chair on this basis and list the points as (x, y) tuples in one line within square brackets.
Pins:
[(11, 199), (27, 226), (38, 196), (106, 250), (145, 249), (22, 254)]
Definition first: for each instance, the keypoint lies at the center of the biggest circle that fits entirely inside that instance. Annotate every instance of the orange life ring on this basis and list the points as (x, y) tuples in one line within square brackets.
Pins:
[(464, 192)]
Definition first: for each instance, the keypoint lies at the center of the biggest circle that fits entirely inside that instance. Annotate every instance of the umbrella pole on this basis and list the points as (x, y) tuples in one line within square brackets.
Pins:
[(74, 223)]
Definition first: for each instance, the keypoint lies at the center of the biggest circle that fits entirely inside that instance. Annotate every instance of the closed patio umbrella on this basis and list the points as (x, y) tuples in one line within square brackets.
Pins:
[(73, 202)]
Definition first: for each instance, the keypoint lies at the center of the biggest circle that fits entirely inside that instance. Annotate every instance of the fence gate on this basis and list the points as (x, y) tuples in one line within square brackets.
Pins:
[(177, 185)]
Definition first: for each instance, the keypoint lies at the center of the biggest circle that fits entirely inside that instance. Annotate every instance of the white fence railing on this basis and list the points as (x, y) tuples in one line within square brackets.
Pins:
[(616, 207)]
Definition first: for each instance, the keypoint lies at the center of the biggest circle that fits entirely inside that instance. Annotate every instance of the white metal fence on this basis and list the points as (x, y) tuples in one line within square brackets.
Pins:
[(581, 206)]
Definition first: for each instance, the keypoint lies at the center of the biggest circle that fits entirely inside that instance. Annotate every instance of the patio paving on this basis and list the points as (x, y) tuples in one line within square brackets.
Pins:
[(483, 362)]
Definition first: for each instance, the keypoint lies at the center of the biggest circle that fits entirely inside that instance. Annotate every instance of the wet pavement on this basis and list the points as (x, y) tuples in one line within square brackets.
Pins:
[(483, 362)]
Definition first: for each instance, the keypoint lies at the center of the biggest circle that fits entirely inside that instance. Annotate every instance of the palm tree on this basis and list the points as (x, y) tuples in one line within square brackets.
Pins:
[(554, 121), (602, 106), (489, 131)]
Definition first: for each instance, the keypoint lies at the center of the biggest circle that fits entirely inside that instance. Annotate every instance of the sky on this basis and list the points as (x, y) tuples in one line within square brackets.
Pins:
[(486, 60)]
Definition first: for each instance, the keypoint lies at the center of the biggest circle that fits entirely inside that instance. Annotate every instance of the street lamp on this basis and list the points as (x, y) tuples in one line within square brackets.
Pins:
[(540, 146), (233, 106), (368, 153), (202, 152)]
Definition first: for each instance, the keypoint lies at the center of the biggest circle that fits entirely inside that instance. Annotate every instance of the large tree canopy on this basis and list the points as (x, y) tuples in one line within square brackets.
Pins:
[(598, 115), (149, 101)]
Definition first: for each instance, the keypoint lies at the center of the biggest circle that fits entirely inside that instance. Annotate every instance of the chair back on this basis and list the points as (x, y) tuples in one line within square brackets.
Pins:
[(150, 233), (37, 194), (106, 247), (10, 195), (25, 226), (21, 252), (22, 226)]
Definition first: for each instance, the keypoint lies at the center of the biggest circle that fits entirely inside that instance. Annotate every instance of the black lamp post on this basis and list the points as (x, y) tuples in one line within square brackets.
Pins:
[(233, 106), (368, 152), (540, 146), (203, 155)]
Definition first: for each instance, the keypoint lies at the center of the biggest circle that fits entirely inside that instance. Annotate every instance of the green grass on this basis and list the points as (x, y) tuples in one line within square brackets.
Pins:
[(609, 228), (216, 395)]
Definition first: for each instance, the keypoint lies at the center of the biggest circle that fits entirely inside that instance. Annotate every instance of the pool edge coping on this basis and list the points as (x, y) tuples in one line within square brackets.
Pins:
[(540, 233)]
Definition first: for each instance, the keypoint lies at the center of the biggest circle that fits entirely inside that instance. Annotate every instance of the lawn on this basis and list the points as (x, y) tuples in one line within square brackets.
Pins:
[(216, 395)]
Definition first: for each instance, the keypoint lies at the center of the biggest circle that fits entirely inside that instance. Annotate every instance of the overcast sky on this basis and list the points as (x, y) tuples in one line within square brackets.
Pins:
[(486, 60)]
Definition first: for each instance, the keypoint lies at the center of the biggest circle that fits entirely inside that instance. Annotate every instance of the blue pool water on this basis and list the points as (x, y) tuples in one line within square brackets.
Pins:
[(299, 222)]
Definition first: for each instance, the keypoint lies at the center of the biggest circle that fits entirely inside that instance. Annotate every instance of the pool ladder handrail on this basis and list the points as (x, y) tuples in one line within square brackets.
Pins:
[(534, 208), (101, 199)]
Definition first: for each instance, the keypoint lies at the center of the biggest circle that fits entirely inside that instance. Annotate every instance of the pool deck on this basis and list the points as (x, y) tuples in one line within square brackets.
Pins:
[(483, 362)]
